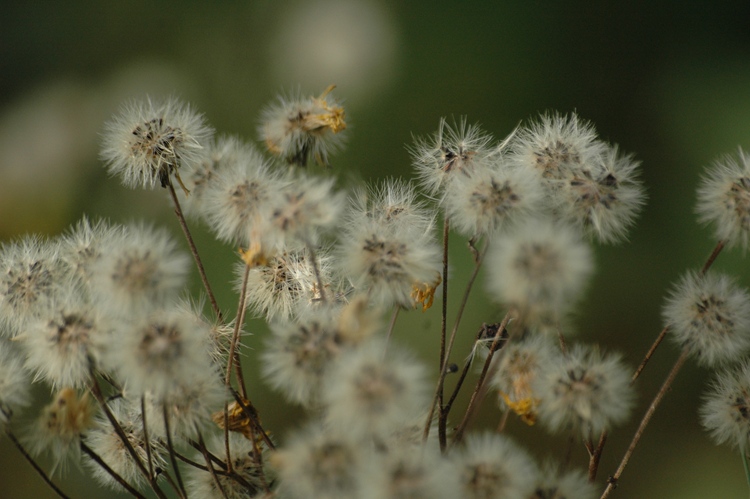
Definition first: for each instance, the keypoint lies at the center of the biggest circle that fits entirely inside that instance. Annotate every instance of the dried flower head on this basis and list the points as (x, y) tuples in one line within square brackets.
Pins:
[(299, 129), (460, 148), (31, 277), (584, 391), (14, 382), (366, 394), (148, 141), (725, 412), (493, 467), (319, 463), (540, 269), (605, 198), (61, 425), (140, 269), (709, 315), (553, 483), (556, 147), (724, 199), (82, 246)]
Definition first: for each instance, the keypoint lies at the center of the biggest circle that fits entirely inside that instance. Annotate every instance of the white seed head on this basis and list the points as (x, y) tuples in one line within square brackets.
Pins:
[(148, 141), (604, 199), (14, 382), (237, 204), (391, 203), (81, 247), (584, 391), (452, 150), (725, 412), (540, 269), (709, 315), (140, 269), (299, 129), (366, 394), (493, 467), (492, 200), (31, 277), (555, 484), (724, 199)]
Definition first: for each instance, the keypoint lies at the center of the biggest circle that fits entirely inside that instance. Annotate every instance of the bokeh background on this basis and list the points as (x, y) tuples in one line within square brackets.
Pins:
[(668, 81)]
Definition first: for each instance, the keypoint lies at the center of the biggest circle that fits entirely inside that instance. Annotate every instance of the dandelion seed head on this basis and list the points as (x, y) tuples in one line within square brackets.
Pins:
[(724, 199), (14, 382), (605, 199), (725, 412), (541, 269), (300, 129), (585, 391), (31, 277), (367, 395), (555, 484), (493, 467), (149, 140), (461, 148), (710, 316)]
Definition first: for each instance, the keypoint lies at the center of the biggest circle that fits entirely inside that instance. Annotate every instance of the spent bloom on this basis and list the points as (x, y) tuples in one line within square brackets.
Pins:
[(107, 444), (366, 394), (492, 199), (299, 129), (201, 484), (30, 280), (320, 463), (724, 199), (556, 147), (237, 203), (604, 198), (461, 148), (391, 203), (554, 484), (584, 391), (493, 467), (518, 368), (540, 269), (61, 425), (82, 247), (139, 269), (149, 140), (709, 315), (61, 346), (725, 412), (14, 383)]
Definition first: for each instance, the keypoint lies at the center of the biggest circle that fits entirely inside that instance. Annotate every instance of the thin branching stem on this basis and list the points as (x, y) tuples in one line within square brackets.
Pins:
[(98, 460), (170, 446), (443, 330), (480, 382), (34, 465), (210, 465), (391, 325), (145, 437), (194, 251), (595, 455), (438, 397), (316, 270), (612, 481)]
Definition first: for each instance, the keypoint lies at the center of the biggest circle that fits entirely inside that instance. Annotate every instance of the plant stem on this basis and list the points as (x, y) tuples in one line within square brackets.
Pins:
[(438, 397), (475, 396), (194, 251), (595, 456), (210, 465), (443, 329), (394, 316), (93, 455), (34, 465), (612, 481), (145, 436), (172, 456), (316, 270)]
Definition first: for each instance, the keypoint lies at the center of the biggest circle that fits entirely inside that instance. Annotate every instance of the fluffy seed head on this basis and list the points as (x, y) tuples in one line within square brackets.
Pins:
[(139, 269), (584, 391), (14, 383), (201, 484), (554, 484), (710, 316), (540, 269), (460, 148), (237, 203), (81, 248), (491, 200), (30, 280), (61, 346), (61, 425), (391, 203), (604, 199), (724, 199), (725, 412), (556, 146), (148, 141), (318, 463), (366, 394), (492, 467), (299, 129)]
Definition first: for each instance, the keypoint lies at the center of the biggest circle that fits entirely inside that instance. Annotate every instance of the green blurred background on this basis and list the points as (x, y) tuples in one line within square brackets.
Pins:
[(668, 81)]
